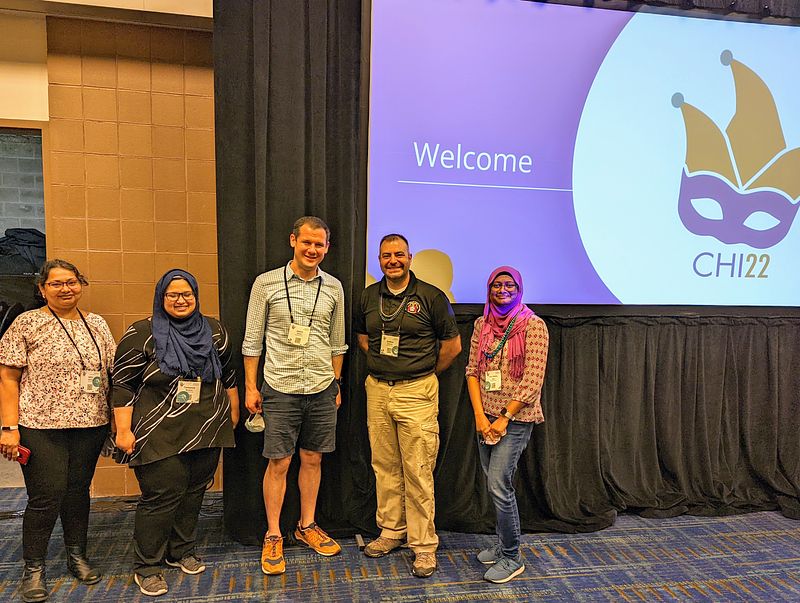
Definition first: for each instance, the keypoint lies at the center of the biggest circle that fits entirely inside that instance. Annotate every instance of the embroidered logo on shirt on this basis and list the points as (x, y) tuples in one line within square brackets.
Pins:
[(412, 307)]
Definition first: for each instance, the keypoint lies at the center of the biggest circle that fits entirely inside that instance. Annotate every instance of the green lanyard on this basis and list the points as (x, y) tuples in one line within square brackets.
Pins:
[(492, 354)]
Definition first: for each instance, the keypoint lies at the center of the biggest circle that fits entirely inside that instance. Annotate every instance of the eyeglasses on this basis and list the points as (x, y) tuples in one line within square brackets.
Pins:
[(511, 286), (173, 297), (72, 284)]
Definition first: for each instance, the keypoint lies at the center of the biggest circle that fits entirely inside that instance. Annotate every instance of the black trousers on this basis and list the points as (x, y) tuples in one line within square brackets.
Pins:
[(166, 516), (57, 478)]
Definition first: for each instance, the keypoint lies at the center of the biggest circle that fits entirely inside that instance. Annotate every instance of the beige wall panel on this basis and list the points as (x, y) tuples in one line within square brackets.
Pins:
[(195, 8), (23, 68), (124, 200)]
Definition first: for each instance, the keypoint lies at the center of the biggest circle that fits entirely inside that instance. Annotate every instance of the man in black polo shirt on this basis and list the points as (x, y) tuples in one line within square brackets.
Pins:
[(407, 329)]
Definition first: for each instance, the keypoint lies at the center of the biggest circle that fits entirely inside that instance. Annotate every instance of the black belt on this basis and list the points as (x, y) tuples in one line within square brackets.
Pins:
[(393, 382)]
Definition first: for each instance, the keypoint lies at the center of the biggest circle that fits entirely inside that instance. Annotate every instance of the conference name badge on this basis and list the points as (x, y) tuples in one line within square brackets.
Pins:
[(299, 335), (492, 381), (188, 391), (390, 345), (91, 381)]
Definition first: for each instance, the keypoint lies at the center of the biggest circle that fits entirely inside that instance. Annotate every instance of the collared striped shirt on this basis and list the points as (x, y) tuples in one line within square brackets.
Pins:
[(288, 368)]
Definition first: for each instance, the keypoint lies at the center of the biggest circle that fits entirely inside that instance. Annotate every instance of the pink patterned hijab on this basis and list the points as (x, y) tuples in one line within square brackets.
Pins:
[(496, 320)]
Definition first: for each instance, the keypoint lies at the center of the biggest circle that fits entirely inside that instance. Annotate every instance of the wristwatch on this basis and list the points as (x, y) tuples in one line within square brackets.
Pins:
[(506, 414), (9, 428)]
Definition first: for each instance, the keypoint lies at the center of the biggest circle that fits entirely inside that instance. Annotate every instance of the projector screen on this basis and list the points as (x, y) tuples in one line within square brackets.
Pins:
[(612, 157)]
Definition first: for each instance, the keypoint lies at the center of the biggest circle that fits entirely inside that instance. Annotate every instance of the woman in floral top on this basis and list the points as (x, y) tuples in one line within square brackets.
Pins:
[(54, 382), (505, 372)]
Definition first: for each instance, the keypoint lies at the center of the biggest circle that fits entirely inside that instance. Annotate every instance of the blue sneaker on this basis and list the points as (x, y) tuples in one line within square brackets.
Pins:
[(504, 570), (491, 555)]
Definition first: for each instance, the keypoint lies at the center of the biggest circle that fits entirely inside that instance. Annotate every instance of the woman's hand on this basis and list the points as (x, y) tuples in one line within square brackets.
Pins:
[(498, 428), (482, 424), (235, 414), (125, 440), (9, 444)]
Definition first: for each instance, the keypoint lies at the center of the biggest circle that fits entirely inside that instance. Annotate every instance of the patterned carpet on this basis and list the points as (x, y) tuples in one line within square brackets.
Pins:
[(752, 557)]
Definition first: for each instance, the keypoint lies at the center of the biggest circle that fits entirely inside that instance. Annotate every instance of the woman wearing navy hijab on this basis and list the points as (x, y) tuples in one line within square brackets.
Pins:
[(175, 406), (505, 372)]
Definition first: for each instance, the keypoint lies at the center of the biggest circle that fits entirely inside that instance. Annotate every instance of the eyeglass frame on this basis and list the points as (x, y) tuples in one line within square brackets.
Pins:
[(174, 296), (508, 286), (72, 283)]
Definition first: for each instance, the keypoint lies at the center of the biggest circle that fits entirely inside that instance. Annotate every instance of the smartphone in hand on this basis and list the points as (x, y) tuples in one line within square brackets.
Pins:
[(23, 454)]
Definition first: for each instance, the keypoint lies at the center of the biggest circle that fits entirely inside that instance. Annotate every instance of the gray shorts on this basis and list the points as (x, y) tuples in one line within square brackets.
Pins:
[(309, 420)]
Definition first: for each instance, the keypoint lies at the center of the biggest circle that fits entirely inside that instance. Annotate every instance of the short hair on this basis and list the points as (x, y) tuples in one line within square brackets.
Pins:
[(44, 271), (394, 237), (314, 223)]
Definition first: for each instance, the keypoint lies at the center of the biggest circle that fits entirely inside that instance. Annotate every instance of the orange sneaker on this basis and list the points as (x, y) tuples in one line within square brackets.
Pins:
[(318, 540), (272, 561)]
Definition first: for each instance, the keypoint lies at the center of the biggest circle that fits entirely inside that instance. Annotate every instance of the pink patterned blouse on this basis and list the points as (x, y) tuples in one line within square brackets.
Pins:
[(50, 395), (527, 390)]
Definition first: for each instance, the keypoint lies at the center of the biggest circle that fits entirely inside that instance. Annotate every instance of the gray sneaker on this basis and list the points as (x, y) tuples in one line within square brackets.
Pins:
[(491, 555), (151, 586), (189, 564), (504, 570)]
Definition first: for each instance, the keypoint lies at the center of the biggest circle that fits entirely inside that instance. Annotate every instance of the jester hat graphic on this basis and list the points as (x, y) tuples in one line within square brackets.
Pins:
[(746, 170)]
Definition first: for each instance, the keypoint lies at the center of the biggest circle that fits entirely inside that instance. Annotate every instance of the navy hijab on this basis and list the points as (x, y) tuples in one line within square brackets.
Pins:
[(183, 347)]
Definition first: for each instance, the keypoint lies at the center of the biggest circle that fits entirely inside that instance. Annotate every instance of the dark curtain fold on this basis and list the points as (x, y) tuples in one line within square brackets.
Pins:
[(649, 414), (287, 90)]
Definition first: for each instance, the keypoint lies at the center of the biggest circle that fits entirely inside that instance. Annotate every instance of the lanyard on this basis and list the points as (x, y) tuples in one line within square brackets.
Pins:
[(72, 341), (501, 345), (390, 317), (289, 300)]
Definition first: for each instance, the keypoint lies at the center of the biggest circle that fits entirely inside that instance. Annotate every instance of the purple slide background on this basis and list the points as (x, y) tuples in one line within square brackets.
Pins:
[(503, 76)]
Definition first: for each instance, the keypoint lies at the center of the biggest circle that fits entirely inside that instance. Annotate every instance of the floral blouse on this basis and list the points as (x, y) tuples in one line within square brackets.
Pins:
[(527, 390), (50, 395)]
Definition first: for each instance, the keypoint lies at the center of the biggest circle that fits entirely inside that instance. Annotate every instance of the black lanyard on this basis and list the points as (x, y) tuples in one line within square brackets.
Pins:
[(72, 341), (289, 300)]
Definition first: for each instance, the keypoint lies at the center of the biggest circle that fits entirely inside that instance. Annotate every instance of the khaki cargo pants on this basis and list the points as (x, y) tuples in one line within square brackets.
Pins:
[(404, 436)]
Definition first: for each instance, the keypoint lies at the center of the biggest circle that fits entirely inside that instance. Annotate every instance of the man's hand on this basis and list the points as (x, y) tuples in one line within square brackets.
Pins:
[(252, 401), (338, 394)]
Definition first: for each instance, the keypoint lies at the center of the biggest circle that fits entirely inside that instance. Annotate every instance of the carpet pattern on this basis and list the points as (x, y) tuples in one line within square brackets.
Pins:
[(753, 557)]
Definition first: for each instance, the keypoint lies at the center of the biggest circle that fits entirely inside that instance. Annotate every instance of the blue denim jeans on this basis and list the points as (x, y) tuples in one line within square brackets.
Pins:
[(499, 464)]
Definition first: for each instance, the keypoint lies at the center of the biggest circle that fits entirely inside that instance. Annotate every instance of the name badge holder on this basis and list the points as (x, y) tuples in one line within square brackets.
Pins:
[(390, 344), (188, 391), (90, 381), (493, 380), (299, 335)]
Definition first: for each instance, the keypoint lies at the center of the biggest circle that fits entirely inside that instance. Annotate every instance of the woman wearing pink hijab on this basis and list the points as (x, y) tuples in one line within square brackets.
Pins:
[(505, 372)]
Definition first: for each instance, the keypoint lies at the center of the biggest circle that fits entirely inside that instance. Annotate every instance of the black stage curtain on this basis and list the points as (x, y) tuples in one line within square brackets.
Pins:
[(658, 415), (287, 136)]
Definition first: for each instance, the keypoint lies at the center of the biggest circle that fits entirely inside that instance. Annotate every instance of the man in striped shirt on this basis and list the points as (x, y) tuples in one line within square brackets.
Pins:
[(298, 310)]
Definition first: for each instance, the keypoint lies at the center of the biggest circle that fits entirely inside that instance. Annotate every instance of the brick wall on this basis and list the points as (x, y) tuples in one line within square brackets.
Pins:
[(131, 169), (21, 181)]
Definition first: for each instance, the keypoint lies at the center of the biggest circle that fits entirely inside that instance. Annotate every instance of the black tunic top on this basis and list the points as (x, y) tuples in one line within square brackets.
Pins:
[(425, 320), (163, 426)]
